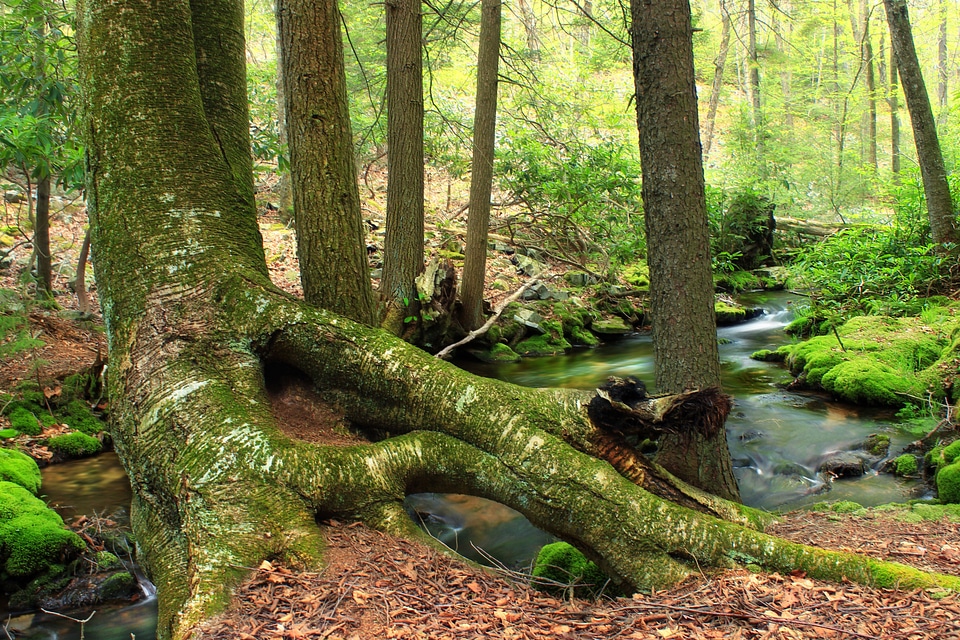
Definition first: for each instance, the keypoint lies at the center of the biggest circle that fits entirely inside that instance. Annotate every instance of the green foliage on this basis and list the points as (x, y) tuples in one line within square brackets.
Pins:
[(24, 422), (75, 445), (32, 536), (107, 561), (264, 122), (869, 270), (20, 469), (8, 433), (948, 484), (739, 228), (587, 193), (905, 465), (38, 108), (15, 335), (560, 565)]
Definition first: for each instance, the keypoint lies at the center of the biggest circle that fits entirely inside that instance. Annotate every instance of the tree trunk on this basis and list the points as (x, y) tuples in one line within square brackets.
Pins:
[(943, 100), (719, 63), (871, 116), (786, 75), (530, 28), (481, 177), (678, 239), (943, 223), (80, 284), (889, 79), (754, 84), (326, 204), (196, 329), (403, 244), (284, 187), (41, 239)]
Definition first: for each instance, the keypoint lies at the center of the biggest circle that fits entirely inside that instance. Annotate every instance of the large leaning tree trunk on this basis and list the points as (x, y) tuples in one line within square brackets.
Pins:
[(678, 238), (193, 323), (326, 204), (936, 189)]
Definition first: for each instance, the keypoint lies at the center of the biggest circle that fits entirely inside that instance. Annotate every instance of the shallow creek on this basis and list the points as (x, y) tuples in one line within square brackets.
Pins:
[(777, 439)]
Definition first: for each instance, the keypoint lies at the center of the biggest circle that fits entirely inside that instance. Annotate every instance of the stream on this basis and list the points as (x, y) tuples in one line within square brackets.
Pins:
[(777, 440)]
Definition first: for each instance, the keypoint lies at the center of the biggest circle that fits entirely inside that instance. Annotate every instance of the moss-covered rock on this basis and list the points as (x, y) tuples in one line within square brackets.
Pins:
[(905, 465), (766, 355), (117, 586), (20, 469), (6, 434), (24, 421), (78, 416), (560, 566), (499, 352), (32, 536), (75, 445), (611, 327), (637, 275), (882, 361), (951, 452), (876, 444), (948, 484), (551, 343)]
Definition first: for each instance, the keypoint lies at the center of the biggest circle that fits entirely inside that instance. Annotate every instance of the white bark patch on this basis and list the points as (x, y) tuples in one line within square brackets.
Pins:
[(468, 398), (172, 397)]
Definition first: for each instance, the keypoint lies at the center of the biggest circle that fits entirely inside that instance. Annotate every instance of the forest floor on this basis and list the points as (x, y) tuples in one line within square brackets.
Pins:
[(376, 586)]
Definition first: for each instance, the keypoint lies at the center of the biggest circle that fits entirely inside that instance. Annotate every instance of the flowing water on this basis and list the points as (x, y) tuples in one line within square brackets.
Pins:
[(777, 440)]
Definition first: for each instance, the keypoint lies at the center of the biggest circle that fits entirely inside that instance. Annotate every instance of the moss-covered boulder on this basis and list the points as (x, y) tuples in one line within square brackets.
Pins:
[(24, 421), (906, 465), (876, 360), (499, 352), (948, 484), (32, 536), (76, 445), (20, 469), (551, 343), (611, 327), (560, 566)]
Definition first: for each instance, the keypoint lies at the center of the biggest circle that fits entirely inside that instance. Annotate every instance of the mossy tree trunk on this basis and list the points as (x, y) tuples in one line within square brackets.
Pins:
[(678, 239), (192, 320)]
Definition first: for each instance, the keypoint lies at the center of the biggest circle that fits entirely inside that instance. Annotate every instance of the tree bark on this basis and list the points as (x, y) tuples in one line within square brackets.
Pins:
[(754, 84), (943, 100), (326, 203), (678, 239), (195, 327), (943, 222), (719, 64), (481, 177), (871, 115), (530, 28), (41, 239), (403, 244)]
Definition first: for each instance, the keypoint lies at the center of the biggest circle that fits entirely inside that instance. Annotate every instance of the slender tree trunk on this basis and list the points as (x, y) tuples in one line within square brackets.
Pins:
[(871, 81), (754, 75), (403, 244), (481, 177), (80, 284), (196, 328), (943, 223), (41, 238), (719, 64), (284, 187), (326, 204), (786, 75), (943, 100), (889, 79), (678, 240), (531, 30)]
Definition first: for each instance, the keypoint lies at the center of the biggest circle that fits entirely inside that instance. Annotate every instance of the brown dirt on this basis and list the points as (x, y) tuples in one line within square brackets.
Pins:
[(376, 586)]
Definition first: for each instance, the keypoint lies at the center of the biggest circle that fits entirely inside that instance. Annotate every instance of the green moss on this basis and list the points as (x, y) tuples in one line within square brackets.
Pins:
[(24, 421), (78, 416), (844, 506), (877, 444), (107, 561), (117, 586), (8, 433), (550, 343), (728, 314), (559, 565), (766, 355), (20, 469), (637, 275), (948, 484), (47, 419), (34, 541), (75, 445), (905, 465), (951, 452)]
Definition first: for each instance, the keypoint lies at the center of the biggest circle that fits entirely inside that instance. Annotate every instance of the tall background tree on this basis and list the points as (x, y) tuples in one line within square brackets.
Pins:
[(326, 204), (403, 245), (481, 177), (678, 238), (940, 209)]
